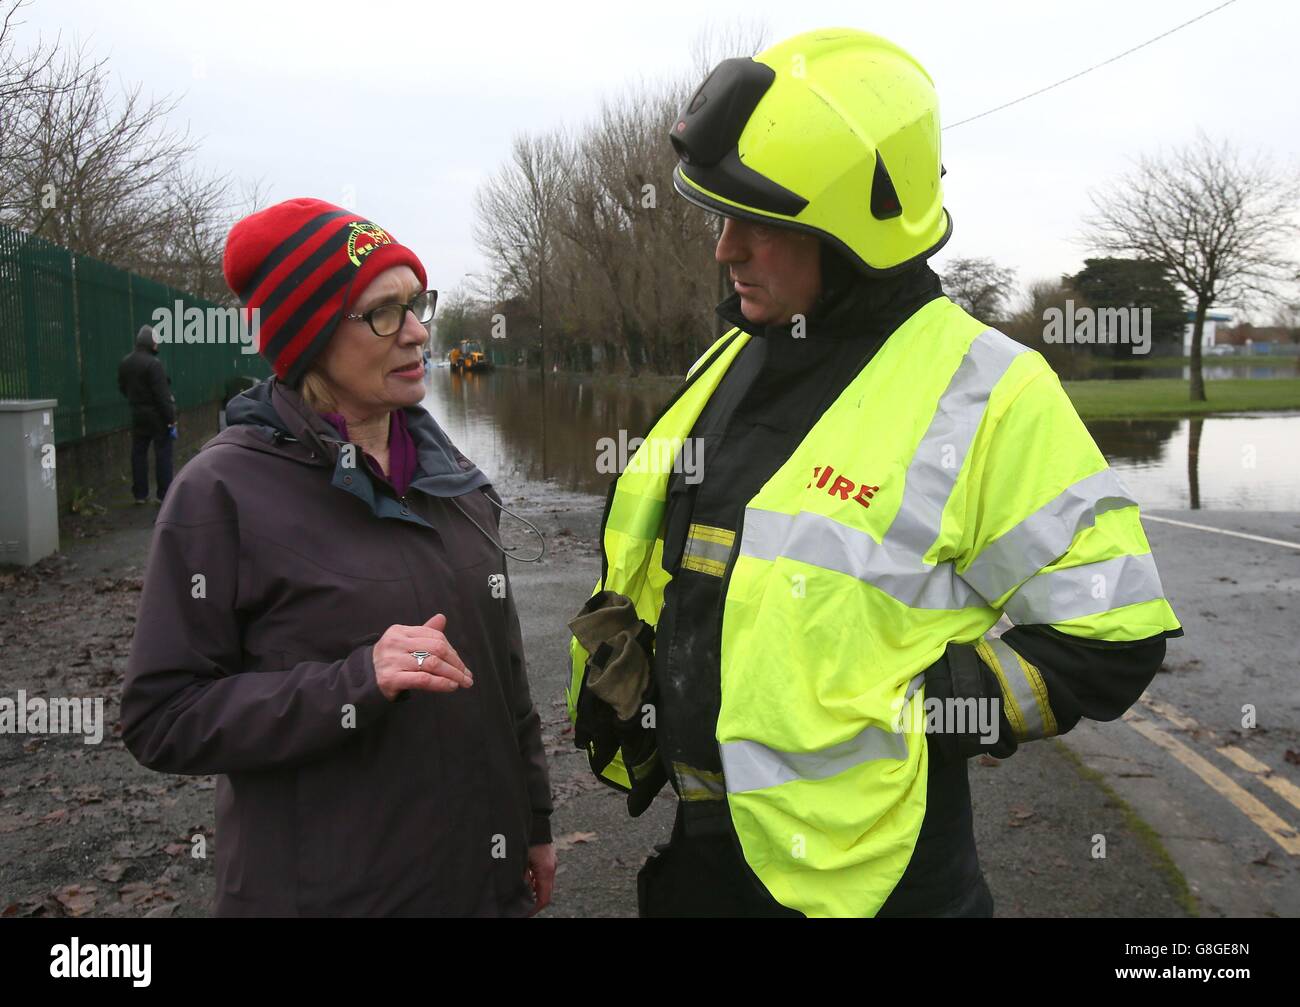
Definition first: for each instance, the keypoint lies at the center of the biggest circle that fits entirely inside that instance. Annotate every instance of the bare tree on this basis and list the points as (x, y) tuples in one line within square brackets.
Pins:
[(195, 219), (515, 214), (101, 171), (626, 267), (1027, 325), (24, 80), (715, 43), (1219, 222), (979, 285), (96, 165), (254, 195)]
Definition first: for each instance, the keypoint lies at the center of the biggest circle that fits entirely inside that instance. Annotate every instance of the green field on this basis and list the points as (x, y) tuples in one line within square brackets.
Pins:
[(1279, 360), (1098, 400)]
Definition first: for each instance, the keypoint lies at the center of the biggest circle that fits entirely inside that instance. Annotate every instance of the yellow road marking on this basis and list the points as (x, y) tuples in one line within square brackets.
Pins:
[(1234, 754), (1244, 801)]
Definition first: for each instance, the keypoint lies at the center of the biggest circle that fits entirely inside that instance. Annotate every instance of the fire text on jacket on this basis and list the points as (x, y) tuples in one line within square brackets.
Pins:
[(841, 487)]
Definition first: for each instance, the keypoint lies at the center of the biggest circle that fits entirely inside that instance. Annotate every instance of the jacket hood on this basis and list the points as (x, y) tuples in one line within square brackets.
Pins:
[(278, 414)]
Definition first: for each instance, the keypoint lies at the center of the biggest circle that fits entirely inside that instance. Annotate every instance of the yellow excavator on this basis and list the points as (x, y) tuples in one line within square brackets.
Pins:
[(468, 356)]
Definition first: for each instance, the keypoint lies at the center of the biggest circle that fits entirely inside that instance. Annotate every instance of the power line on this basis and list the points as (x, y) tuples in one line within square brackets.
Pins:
[(1095, 66)]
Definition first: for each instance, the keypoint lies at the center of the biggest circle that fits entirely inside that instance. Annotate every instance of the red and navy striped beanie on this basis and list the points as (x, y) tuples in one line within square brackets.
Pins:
[(302, 264)]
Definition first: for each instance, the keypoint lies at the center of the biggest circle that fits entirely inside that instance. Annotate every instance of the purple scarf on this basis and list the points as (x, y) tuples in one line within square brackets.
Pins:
[(401, 449)]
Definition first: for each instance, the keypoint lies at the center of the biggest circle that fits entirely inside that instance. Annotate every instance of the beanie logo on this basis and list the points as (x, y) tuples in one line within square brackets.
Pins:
[(363, 238)]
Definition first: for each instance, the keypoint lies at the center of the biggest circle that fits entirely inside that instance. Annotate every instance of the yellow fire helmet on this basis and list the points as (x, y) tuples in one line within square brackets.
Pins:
[(834, 132)]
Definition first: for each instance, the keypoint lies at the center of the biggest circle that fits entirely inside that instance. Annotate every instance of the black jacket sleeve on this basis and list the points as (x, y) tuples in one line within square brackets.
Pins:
[(160, 388), (1098, 680)]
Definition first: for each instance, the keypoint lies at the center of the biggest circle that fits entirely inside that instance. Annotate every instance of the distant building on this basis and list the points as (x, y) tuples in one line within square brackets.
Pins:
[(1213, 319), (1258, 338)]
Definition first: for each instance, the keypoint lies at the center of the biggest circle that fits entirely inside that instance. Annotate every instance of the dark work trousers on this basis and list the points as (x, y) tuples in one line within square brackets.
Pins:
[(162, 449), (702, 876), (706, 876)]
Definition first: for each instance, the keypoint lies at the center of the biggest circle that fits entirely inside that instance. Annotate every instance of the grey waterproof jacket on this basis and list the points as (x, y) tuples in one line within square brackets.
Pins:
[(274, 568)]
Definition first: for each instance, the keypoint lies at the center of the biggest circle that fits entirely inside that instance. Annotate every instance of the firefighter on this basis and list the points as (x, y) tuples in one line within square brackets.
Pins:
[(905, 550)]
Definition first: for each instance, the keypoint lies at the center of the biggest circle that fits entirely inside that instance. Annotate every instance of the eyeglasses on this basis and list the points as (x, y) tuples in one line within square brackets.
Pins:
[(387, 319)]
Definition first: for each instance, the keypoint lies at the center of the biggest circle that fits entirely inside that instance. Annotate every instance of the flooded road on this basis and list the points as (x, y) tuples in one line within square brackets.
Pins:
[(1231, 462), (1249, 461), (496, 418)]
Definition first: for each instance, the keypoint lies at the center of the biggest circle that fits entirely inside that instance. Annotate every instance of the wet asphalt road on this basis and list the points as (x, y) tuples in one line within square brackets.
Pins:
[(1222, 794), (1142, 784)]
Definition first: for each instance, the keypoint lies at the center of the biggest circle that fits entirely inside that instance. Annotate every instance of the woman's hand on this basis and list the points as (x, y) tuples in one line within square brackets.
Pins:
[(396, 670), (540, 875)]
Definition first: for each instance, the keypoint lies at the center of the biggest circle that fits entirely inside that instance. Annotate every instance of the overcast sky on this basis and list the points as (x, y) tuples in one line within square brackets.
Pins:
[(409, 105)]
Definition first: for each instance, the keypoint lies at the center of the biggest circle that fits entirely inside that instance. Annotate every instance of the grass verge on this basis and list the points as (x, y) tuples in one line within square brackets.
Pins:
[(1167, 397), (1146, 835)]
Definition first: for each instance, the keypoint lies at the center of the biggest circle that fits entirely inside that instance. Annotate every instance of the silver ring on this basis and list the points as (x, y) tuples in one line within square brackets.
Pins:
[(420, 656)]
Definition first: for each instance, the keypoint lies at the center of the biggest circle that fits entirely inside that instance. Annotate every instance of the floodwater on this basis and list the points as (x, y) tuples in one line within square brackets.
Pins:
[(1248, 461)]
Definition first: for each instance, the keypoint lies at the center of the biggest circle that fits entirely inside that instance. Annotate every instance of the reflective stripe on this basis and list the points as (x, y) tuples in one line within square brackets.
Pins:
[(896, 565), (708, 549), (750, 765), (1072, 592), (821, 541), (1024, 693), (939, 457), (701, 564), (708, 533), (699, 784), (1045, 536)]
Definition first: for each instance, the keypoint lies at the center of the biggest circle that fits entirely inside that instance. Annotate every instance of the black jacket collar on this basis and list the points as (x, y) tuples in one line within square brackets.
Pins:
[(864, 308)]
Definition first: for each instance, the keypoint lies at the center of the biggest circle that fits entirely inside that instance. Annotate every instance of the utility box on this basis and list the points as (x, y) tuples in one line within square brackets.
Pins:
[(29, 497)]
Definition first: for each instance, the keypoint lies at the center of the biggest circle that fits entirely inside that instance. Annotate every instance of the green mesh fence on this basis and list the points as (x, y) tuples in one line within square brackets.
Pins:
[(66, 322)]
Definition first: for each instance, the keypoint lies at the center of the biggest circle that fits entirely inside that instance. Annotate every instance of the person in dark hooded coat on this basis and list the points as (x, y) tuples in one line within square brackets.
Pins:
[(142, 378), (327, 621)]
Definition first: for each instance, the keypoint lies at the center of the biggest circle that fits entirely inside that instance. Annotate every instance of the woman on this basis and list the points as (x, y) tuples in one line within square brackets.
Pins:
[(326, 621)]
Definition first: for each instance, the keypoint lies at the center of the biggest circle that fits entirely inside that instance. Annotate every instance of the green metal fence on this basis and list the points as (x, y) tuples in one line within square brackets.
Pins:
[(66, 322)]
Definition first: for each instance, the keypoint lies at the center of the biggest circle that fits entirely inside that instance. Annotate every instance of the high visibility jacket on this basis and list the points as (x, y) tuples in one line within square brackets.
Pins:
[(951, 482)]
